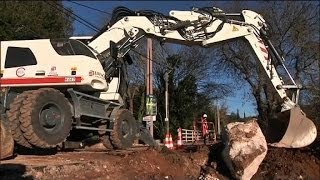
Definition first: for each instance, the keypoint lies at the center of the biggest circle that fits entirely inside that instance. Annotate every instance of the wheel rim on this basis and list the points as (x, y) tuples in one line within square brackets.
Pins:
[(125, 128), (51, 117)]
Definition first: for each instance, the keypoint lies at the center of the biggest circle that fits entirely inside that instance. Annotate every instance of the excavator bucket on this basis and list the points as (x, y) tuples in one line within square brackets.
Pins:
[(292, 129)]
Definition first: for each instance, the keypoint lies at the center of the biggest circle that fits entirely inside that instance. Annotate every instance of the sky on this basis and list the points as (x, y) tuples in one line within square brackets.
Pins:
[(240, 98)]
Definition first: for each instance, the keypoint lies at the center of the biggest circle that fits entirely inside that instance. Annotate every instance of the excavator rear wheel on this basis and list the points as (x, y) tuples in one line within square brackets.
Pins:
[(124, 130), (46, 118), (6, 141), (13, 117)]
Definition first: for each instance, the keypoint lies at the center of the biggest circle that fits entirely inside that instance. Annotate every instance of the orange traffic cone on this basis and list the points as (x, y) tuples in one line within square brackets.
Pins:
[(179, 143), (166, 141), (170, 142)]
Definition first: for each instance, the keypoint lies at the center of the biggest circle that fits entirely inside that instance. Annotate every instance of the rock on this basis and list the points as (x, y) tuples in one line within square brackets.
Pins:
[(38, 175), (213, 165), (245, 148), (208, 173)]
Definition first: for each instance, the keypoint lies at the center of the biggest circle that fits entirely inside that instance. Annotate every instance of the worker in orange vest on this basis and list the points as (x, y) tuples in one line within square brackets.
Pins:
[(204, 125)]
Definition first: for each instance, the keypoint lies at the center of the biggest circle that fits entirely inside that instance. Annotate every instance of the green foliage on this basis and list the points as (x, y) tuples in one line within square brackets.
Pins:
[(184, 98), (186, 104), (33, 19)]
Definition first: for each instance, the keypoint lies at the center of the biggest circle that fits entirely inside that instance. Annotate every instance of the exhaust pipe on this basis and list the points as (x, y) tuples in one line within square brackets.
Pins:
[(291, 129)]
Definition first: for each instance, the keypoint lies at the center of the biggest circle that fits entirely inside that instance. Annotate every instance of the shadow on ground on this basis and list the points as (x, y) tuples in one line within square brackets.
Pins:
[(14, 172)]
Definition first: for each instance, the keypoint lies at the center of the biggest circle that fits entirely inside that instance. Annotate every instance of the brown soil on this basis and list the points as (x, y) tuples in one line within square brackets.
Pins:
[(301, 163), (279, 163), (143, 163), (140, 163)]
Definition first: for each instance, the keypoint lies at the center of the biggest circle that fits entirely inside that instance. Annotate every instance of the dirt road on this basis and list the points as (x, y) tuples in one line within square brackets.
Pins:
[(140, 163), (144, 163)]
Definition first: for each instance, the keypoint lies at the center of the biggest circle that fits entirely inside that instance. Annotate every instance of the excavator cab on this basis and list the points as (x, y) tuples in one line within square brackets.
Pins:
[(291, 129)]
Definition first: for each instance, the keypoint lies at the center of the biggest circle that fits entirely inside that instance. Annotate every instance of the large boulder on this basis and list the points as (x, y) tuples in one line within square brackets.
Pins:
[(245, 148)]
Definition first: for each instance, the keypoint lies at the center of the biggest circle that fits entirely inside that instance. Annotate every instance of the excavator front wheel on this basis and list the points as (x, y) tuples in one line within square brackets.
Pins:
[(124, 130), (46, 118)]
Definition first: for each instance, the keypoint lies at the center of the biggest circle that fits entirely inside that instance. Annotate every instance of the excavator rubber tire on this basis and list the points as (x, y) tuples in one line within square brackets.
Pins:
[(6, 141), (13, 118), (118, 139), (53, 104)]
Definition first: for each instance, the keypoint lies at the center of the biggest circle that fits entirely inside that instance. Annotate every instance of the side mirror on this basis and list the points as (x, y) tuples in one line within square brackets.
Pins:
[(113, 50)]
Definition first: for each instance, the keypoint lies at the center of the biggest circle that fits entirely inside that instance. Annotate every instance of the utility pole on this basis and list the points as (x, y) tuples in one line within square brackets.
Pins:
[(218, 119), (166, 78), (238, 116), (149, 78)]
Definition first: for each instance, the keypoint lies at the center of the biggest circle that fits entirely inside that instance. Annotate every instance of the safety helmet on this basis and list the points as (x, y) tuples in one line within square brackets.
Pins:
[(204, 115)]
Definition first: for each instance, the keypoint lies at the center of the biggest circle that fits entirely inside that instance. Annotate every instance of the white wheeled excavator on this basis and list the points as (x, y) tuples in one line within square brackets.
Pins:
[(53, 88)]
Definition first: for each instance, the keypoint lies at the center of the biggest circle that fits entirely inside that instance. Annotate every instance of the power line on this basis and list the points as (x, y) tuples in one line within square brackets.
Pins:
[(98, 10), (111, 14), (76, 16), (146, 57), (164, 50), (98, 30)]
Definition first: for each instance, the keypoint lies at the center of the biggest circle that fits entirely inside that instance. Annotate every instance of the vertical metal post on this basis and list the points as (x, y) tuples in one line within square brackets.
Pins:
[(218, 118), (149, 77), (166, 77)]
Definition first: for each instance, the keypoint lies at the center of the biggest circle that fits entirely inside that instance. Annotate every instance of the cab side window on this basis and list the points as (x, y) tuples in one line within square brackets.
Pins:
[(17, 56), (66, 47), (62, 46)]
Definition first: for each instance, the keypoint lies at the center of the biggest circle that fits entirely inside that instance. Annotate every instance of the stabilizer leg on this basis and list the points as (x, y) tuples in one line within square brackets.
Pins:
[(145, 136)]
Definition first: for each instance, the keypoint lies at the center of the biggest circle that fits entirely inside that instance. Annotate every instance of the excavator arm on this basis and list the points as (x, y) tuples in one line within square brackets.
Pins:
[(206, 27)]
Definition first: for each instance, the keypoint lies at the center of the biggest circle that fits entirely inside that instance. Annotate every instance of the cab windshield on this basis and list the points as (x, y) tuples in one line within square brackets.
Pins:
[(66, 47)]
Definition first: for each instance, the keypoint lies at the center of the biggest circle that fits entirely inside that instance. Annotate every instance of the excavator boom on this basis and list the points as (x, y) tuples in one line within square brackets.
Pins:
[(206, 27)]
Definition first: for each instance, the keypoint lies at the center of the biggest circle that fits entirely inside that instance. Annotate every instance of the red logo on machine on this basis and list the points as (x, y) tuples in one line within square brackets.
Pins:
[(20, 72), (96, 74)]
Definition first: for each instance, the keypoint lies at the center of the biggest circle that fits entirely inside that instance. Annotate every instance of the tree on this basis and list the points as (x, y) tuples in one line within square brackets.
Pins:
[(33, 19), (191, 88), (294, 32), (295, 27)]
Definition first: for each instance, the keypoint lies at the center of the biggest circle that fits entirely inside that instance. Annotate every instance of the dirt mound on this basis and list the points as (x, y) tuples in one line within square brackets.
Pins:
[(279, 163), (189, 163), (141, 164), (301, 163)]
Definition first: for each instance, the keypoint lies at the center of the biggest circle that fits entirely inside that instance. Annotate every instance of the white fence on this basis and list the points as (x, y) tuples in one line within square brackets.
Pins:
[(195, 136)]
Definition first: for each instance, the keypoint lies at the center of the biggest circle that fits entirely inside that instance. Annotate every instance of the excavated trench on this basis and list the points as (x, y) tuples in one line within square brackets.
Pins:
[(146, 163)]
